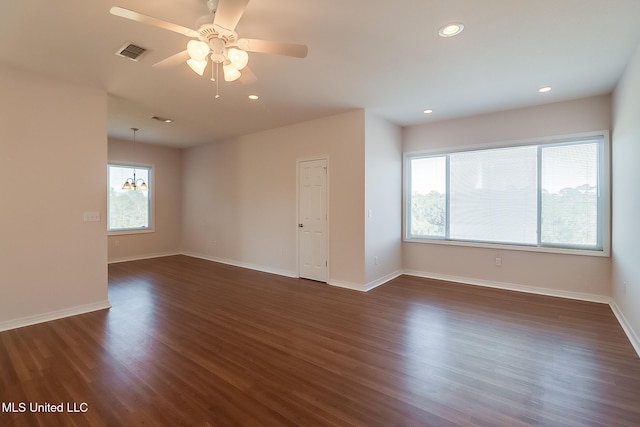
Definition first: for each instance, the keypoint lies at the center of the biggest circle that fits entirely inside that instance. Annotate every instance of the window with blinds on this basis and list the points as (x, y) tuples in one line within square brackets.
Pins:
[(543, 195)]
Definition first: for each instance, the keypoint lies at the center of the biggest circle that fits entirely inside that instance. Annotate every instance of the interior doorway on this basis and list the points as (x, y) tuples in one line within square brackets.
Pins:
[(312, 219)]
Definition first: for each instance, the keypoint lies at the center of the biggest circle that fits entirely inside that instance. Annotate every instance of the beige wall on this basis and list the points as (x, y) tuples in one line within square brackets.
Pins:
[(557, 274), (52, 170), (240, 197), (383, 200), (626, 199), (167, 200)]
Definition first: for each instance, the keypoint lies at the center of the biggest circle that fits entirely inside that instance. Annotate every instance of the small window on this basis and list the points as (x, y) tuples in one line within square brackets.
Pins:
[(129, 210), (551, 194)]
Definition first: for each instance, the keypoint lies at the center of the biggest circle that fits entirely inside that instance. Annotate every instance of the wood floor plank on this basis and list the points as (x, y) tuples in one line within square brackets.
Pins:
[(192, 342)]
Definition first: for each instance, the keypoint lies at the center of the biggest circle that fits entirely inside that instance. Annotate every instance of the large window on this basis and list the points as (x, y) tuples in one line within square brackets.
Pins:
[(128, 210), (543, 195)]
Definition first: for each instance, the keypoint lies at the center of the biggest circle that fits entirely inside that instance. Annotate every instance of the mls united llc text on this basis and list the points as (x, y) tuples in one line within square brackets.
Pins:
[(21, 407)]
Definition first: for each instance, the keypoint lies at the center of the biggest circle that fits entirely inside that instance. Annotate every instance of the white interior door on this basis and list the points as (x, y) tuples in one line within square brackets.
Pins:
[(312, 219)]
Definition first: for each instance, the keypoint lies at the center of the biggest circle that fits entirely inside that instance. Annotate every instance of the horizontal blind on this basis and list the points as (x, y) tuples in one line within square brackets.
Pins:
[(570, 194), (493, 195)]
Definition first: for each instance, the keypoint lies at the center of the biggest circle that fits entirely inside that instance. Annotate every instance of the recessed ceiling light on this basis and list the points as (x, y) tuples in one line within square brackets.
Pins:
[(451, 30), (254, 97), (544, 89), (428, 111)]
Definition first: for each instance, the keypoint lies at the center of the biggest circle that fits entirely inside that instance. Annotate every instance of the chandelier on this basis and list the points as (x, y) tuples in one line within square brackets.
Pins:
[(133, 183)]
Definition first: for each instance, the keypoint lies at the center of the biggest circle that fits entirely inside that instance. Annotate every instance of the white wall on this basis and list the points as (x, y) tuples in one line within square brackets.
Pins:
[(167, 201), (383, 200), (567, 275), (626, 199), (239, 201), (52, 170)]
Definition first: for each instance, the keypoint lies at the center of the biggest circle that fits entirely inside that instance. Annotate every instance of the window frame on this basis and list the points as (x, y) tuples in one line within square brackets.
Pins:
[(604, 186), (151, 200)]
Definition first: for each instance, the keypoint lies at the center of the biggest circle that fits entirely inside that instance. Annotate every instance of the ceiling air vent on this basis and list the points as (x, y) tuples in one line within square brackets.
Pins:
[(131, 51), (162, 119)]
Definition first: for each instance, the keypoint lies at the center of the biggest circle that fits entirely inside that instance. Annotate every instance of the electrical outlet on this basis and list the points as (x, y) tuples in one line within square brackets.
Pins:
[(375, 260), (498, 261), (91, 217)]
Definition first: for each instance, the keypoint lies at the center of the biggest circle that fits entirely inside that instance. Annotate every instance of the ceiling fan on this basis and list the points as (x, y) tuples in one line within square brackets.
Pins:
[(215, 39)]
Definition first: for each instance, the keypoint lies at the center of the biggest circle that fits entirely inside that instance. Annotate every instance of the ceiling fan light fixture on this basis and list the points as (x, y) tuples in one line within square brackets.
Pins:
[(239, 58), (216, 40), (197, 66), (231, 73), (217, 47), (198, 50)]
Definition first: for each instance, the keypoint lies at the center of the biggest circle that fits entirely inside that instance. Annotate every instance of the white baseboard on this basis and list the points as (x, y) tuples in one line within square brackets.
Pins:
[(140, 257), (256, 267), (347, 285), (53, 315), (365, 287), (382, 280), (626, 326), (602, 299)]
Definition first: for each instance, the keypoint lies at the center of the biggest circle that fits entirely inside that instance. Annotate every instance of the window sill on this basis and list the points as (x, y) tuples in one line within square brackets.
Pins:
[(133, 231), (563, 251)]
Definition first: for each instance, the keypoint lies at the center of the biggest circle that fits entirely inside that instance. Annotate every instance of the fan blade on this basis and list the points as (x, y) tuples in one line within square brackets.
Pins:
[(247, 76), (139, 17), (229, 13), (173, 60), (265, 46)]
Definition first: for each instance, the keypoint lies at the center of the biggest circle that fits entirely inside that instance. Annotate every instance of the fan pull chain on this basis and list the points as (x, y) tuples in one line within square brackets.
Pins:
[(217, 81)]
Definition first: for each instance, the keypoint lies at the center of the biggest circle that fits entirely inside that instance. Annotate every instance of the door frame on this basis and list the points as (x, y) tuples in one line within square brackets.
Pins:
[(328, 240)]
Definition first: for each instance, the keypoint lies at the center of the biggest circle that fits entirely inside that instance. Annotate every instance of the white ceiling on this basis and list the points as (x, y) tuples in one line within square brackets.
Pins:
[(386, 57)]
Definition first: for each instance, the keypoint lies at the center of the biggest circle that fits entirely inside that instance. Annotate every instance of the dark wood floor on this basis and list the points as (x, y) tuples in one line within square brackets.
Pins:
[(190, 342)]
